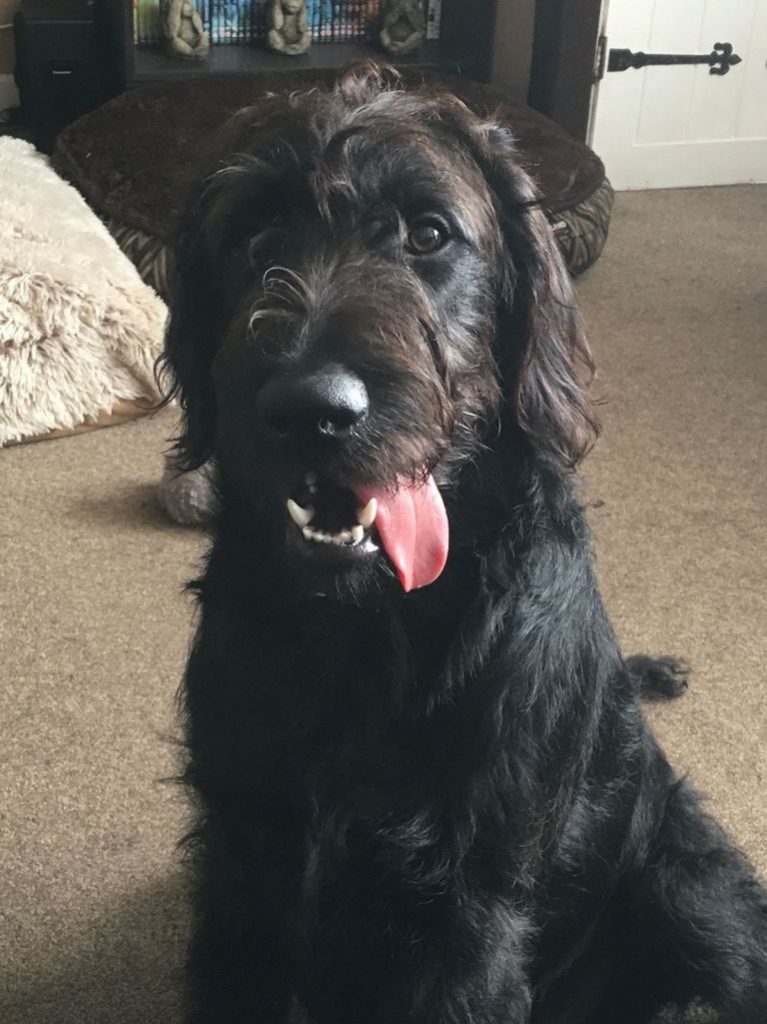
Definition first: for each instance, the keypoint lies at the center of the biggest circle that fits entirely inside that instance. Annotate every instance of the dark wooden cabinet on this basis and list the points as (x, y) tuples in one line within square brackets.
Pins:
[(465, 47)]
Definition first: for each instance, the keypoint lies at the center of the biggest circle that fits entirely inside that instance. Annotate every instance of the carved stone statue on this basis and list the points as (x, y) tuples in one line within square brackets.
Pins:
[(182, 30), (289, 27), (404, 26)]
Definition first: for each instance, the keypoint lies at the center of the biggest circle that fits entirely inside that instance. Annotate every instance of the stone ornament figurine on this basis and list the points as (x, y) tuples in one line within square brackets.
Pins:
[(404, 26), (289, 27), (182, 30)]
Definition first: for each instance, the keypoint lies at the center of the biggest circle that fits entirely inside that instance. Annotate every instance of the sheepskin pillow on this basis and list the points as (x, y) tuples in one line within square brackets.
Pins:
[(79, 330)]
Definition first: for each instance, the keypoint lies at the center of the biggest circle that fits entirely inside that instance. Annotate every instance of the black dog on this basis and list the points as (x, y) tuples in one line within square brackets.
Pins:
[(426, 790)]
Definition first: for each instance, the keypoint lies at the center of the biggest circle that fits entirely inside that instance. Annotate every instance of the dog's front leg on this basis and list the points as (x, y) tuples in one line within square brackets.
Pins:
[(417, 957), (705, 914), (238, 969), (493, 992), (468, 965)]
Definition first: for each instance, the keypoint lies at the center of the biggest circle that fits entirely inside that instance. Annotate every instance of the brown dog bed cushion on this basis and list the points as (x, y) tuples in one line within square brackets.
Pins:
[(135, 159)]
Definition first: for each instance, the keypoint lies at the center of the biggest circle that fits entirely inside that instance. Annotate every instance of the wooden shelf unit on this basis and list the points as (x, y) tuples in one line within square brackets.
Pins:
[(465, 47)]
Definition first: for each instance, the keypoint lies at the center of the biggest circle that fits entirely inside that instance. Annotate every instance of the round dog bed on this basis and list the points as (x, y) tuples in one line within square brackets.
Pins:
[(135, 158)]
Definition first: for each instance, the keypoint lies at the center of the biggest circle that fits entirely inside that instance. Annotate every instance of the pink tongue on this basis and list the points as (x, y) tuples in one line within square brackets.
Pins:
[(412, 525)]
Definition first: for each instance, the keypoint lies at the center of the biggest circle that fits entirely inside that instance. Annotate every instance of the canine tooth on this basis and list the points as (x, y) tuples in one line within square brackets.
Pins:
[(358, 532), (300, 516), (366, 516)]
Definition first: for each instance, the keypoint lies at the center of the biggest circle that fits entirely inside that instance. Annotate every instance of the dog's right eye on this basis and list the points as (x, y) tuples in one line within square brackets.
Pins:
[(255, 242), (426, 236)]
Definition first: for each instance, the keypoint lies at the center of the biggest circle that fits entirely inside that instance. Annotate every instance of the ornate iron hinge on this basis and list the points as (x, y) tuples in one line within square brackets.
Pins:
[(720, 60)]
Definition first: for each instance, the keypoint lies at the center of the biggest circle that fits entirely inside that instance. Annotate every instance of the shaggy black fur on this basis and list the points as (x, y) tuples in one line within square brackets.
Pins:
[(441, 807)]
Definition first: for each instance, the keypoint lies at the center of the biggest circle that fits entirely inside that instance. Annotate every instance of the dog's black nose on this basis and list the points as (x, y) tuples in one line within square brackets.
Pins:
[(327, 402)]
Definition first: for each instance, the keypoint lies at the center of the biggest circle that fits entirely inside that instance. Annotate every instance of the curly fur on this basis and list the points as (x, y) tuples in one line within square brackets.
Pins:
[(442, 806)]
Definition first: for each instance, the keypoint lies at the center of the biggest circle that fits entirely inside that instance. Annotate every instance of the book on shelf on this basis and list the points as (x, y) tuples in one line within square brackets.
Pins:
[(223, 21), (343, 20), (236, 21), (433, 19), (146, 20)]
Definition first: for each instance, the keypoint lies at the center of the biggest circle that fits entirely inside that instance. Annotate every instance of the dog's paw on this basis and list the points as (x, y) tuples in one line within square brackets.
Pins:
[(659, 678), (188, 497)]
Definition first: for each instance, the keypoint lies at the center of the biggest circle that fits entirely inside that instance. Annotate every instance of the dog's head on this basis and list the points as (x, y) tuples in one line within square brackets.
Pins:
[(366, 289)]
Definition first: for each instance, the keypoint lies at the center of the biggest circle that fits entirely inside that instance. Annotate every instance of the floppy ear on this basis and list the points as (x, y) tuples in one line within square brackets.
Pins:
[(197, 301), (555, 366), (541, 347), (190, 341)]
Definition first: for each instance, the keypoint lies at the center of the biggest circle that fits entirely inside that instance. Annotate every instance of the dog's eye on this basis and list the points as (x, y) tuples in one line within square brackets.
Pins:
[(255, 241), (426, 236)]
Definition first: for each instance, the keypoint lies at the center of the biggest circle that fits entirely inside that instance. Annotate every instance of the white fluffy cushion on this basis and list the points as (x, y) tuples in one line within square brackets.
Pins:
[(79, 330)]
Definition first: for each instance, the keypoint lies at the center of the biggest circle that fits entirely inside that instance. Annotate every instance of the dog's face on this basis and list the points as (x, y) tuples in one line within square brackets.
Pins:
[(364, 292)]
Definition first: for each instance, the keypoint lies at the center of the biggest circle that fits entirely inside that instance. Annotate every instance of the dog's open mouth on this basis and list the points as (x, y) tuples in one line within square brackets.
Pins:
[(409, 520), (329, 514)]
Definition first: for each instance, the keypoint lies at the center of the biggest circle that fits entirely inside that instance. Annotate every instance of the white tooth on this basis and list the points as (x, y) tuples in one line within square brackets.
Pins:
[(358, 532), (308, 532), (345, 536), (300, 516), (367, 515)]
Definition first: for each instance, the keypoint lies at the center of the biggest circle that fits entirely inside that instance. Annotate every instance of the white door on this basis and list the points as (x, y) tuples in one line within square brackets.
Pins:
[(673, 126)]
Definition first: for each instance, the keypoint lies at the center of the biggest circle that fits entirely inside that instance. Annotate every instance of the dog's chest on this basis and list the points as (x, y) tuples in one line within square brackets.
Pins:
[(326, 736)]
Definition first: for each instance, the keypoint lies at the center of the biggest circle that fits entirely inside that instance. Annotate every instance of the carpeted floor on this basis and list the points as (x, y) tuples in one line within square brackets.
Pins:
[(93, 626)]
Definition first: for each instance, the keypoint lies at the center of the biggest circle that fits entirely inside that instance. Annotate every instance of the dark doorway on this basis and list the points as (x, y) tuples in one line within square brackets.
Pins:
[(565, 38)]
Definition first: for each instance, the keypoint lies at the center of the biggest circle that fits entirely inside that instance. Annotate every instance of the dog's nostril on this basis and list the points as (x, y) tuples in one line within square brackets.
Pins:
[(328, 402)]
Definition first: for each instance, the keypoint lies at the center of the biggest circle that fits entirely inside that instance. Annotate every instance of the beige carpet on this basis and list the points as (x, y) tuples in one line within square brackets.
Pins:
[(93, 627)]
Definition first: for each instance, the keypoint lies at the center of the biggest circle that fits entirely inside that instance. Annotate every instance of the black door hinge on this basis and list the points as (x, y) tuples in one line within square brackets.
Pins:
[(720, 60)]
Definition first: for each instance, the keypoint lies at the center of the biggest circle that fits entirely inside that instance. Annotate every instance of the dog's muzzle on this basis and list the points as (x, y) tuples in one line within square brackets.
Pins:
[(344, 522)]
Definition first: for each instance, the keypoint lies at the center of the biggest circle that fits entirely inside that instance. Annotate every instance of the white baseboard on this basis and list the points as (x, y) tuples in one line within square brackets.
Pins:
[(9, 95)]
